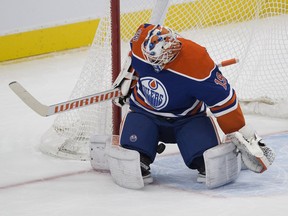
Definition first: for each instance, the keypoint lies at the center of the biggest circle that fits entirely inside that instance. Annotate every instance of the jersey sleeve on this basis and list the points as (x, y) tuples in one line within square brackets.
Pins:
[(221, 98)]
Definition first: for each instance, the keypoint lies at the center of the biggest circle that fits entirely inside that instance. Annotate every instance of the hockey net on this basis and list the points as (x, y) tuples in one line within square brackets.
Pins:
[(254, 31)]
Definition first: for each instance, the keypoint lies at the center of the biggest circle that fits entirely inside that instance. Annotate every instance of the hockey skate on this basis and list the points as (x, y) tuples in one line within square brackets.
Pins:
[(145, 169), (201, 178)]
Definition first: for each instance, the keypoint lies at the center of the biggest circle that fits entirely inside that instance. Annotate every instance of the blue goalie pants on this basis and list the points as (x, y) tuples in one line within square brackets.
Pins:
[(193, 134)]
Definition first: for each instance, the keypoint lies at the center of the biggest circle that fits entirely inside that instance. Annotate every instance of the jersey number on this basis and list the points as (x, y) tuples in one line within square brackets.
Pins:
[(221, 80)]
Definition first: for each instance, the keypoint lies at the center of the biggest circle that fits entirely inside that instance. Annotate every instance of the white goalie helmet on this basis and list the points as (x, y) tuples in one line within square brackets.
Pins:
[(161, 46)]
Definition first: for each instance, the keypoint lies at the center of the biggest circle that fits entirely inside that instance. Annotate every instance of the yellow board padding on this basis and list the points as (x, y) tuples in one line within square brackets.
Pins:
[(47, 40), (222, 12), (206, 13), (58, 38)]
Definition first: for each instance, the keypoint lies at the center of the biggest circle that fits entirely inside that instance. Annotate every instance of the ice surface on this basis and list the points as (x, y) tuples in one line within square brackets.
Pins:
[(32, 183)]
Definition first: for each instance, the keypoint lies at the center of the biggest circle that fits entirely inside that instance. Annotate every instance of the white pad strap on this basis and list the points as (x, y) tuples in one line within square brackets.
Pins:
[(98, 145), (124, 165), (222, 165)]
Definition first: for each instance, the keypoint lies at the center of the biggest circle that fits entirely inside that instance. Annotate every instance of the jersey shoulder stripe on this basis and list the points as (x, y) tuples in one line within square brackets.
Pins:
[(229, 106)]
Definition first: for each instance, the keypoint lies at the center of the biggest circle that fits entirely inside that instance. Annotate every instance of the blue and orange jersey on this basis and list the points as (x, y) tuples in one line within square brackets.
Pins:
[(188, 85)]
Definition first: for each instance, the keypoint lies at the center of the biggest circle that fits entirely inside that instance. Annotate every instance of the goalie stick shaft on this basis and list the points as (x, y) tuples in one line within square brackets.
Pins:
[(48, 110)]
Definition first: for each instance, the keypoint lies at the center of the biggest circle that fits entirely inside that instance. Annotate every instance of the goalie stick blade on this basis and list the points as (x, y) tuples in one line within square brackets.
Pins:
[(28, 99), (77, 103)]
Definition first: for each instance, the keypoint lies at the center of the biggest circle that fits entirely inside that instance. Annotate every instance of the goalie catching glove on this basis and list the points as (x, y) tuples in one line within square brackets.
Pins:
[(126, 81), (255, 155)]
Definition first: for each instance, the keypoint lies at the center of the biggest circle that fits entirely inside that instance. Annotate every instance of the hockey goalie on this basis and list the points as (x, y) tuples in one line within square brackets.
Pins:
[(169, 84)]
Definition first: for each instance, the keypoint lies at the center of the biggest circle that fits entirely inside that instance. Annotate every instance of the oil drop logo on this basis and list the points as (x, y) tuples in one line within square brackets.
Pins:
[(155, 93)]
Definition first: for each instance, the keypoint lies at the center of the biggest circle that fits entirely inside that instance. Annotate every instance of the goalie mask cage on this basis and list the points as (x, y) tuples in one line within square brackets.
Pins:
[(254, 31)]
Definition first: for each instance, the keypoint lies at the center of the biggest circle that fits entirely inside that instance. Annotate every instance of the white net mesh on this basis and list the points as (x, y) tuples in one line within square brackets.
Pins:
[(254, 31)]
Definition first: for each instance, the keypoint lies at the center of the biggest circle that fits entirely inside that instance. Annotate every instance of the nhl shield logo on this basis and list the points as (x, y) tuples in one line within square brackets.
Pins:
[(155, 92)]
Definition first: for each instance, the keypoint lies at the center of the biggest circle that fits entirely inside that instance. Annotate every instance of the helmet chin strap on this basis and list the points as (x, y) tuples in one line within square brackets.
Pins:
[(158, 68)]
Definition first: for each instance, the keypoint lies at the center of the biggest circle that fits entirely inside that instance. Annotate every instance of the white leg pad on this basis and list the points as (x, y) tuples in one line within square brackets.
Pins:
[(124, 165), (98, 145), (222, 164)]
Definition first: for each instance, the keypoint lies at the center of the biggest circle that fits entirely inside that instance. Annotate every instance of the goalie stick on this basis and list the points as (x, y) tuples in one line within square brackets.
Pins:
[(48, 110)]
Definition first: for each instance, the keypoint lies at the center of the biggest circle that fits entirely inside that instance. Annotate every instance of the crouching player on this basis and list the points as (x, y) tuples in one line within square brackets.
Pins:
[(169, 83)]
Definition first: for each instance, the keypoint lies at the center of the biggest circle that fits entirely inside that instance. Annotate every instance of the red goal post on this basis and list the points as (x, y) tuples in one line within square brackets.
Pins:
[(116, 58)]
